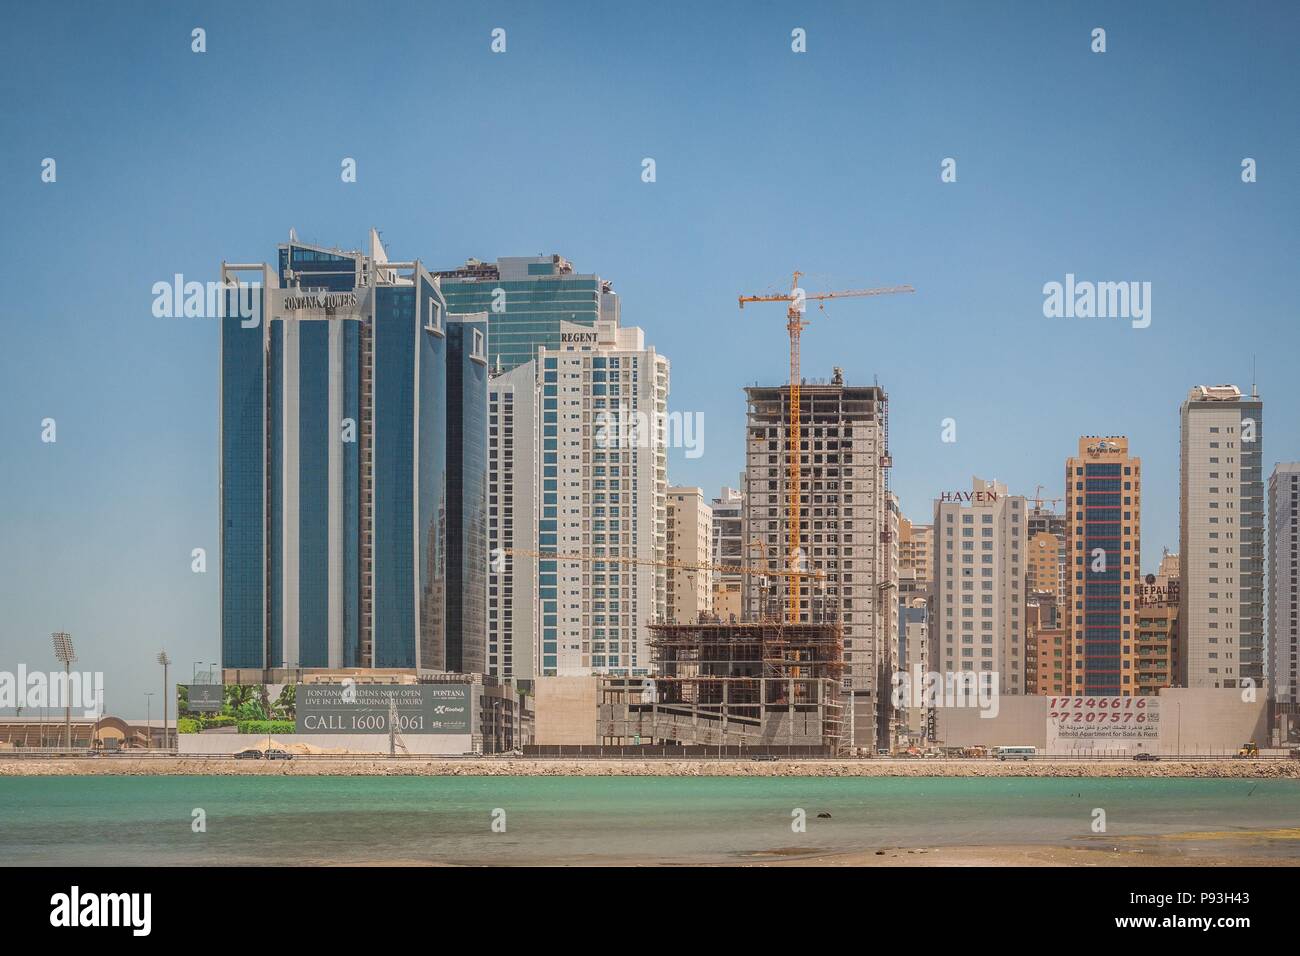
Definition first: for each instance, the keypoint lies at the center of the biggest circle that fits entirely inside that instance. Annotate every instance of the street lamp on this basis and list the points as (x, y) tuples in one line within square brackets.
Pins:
[(63, 651), (165, 661), (148, 720)]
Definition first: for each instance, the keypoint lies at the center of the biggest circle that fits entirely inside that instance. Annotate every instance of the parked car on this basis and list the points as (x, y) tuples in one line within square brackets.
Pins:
[(276, 754), (1144, 755), (249, 754), (764, 756)]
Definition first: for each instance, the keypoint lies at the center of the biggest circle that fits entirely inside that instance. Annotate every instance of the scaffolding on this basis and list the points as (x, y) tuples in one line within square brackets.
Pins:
[(764, 683)]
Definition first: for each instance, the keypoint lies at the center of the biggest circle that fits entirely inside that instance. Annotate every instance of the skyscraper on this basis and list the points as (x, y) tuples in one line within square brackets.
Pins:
[(335, 465), (1221, 538), (846, 526), (1103, 488), (467, 505), (604, 483), (1284, 581), (527, 299), (513, 498), (979, 579)]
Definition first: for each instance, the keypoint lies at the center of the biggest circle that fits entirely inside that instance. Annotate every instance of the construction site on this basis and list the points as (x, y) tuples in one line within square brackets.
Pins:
[(807, 665), (750, 685)]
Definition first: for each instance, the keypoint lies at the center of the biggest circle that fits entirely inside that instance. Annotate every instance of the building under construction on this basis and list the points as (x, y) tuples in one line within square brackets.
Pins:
[(757, 684), (847, 531)]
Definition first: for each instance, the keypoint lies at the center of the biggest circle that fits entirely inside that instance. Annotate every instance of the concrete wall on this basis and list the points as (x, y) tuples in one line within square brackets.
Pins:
[(565, 710), (1021, 720), (221, 743), (1197, 720), (1192, 721)]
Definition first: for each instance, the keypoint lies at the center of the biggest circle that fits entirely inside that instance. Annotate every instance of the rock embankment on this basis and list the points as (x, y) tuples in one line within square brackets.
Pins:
[(502, 766)]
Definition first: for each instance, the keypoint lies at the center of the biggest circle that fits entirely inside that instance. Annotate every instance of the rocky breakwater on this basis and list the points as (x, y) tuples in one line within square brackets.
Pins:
[(515, 766)]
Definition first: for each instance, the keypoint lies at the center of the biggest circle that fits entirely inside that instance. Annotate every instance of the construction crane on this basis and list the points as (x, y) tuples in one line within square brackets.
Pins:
[(795, 325), (1038, 499)]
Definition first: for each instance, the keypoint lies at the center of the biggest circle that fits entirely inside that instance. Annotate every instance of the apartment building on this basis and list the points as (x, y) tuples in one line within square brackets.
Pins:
[(1221, 538), (979, 579)]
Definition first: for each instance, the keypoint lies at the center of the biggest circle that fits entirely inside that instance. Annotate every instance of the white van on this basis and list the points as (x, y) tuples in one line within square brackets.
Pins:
[(1022, 753)]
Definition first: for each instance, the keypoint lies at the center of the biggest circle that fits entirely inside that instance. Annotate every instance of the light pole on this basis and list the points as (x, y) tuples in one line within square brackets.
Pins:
[(64, 652), (148, 720), (164, 660)]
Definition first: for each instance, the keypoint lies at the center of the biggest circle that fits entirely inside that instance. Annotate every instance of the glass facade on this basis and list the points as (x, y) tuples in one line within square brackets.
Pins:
[(526, 300), (396, 333), (336, 478), (243, 471), (467, 559), (315, 435), (432, 485)]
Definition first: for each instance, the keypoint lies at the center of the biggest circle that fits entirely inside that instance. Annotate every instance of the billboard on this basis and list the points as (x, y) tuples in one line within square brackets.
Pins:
[(241, 708), (353, 708), (206, 698), (1103, 723)]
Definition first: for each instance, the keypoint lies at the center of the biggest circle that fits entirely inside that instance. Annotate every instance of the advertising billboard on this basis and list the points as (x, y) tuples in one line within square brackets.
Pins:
[(206, 698), (353, 708), (1102, 723)]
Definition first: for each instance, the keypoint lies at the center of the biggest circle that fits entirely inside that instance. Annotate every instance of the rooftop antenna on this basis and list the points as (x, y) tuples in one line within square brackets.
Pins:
[(1254, 387)]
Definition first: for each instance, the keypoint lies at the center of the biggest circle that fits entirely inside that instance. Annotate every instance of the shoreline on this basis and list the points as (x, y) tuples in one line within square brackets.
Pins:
[(667, 767)]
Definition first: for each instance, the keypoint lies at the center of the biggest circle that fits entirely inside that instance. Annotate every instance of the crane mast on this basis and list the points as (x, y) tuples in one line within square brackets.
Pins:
[(795, 325)]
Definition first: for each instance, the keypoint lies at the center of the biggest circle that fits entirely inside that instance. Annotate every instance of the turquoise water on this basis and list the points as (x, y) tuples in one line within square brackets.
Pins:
[(652, 820)]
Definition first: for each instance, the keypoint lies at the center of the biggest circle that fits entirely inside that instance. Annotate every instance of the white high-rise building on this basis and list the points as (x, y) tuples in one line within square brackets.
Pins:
[(1284, 582), (1221, 532), (728, 550), (513, 621), (690, 542), (979, 577), (603, 492)]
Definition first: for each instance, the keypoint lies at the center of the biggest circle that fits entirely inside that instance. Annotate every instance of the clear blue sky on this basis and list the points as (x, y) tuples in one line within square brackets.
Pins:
[(1116, 166)]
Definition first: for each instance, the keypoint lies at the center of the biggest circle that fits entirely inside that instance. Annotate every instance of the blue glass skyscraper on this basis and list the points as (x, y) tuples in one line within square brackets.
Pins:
[(526, 299), (467, 436), (335, 470)]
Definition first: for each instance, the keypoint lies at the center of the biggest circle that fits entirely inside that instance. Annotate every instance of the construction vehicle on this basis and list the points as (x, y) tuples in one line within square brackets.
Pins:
[(1249, 749), (795, 324)]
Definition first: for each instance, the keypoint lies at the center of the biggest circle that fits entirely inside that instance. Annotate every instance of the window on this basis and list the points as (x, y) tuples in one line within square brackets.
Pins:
[(478, 350), (433, 320)]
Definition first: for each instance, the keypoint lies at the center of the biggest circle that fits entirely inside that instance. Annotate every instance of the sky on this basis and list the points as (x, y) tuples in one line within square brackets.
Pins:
[(1124, 165)]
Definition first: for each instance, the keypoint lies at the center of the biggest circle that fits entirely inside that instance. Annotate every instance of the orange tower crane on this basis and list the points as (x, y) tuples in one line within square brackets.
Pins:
[(795, 324)]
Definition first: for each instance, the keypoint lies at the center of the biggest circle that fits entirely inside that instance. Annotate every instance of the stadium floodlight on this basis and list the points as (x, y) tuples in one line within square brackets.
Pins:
[(165, 661), (64, 652)]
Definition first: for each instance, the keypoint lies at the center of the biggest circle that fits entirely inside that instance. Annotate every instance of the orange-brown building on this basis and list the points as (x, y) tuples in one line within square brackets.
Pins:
[(1046, 555), (1103, 488), (1157, 629), (1047, 648)]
